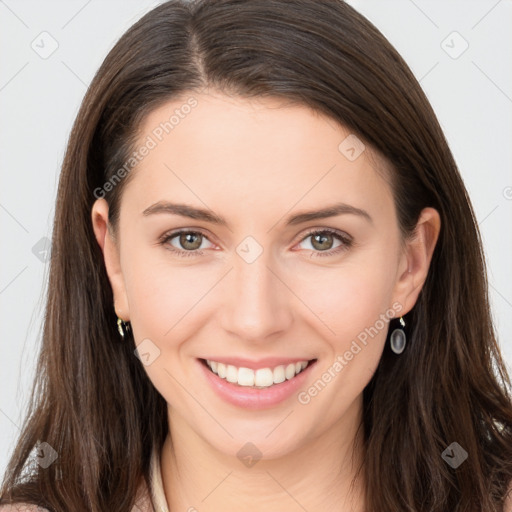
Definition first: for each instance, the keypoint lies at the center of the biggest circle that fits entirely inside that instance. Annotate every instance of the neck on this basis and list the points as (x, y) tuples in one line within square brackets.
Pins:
[(320, 475)]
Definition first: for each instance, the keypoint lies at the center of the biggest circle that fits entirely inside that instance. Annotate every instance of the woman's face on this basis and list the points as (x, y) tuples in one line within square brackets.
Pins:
[(256, 281)]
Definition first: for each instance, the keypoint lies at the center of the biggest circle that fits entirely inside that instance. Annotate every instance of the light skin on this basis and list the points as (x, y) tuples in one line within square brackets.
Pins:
[(256, 162)]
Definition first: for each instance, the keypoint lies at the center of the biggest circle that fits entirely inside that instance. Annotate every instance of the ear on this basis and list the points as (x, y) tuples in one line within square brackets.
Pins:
[(110, 249), (416, 258)]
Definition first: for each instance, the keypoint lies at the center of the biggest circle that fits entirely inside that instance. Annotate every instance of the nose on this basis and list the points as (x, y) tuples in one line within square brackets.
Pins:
[(259, 302)]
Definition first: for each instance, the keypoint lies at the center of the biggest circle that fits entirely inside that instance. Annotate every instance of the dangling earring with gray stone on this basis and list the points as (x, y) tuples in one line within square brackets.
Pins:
[(398, 339)]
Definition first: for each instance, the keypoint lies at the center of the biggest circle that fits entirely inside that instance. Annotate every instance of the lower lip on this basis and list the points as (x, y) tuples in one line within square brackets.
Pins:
[(252, 398)]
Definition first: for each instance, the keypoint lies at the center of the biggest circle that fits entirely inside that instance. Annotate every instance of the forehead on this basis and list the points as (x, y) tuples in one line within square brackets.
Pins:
[(253, 153)]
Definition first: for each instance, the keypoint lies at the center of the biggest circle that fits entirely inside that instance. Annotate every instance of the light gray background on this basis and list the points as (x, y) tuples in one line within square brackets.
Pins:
[(39, 98)]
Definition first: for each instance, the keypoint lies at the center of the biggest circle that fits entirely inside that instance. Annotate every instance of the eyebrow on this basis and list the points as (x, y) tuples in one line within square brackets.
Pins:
[(192, 212)]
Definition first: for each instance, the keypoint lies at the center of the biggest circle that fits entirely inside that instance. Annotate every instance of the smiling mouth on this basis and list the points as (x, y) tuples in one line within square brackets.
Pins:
[(261, 378)]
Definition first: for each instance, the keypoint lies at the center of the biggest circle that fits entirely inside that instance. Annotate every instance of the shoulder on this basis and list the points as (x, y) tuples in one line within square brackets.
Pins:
[(143, 505), (22, 507)]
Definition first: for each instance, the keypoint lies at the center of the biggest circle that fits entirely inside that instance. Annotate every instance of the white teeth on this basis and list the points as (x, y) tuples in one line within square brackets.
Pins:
[(261, 378), (231, 373), (245, 377), (290, 371), (279, 375)]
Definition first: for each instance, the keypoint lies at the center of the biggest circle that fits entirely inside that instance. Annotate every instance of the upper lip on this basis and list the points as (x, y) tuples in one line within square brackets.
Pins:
[(267, 362)]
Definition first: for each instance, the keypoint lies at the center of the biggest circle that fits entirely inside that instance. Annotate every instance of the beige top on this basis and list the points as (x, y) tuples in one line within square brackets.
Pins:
[(148, 502), (159, 502)]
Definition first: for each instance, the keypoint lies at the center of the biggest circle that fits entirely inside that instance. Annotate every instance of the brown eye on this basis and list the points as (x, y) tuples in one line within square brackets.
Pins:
[(322, 242), (190, 240), (187, 243)]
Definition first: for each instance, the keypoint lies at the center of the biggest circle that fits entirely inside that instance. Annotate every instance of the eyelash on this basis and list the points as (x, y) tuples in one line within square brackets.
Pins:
[(346, 242)]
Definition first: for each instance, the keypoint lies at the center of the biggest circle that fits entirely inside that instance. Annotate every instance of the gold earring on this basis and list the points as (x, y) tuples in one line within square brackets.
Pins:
[(123, 327)]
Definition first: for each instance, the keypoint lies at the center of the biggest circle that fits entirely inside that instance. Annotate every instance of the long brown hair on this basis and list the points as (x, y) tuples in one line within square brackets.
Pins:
[(92, 401)]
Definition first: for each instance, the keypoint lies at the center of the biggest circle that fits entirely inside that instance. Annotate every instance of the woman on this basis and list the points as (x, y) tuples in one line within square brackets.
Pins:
[(267, 288)]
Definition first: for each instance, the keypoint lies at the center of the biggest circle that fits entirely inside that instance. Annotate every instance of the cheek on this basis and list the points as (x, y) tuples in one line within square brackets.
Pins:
[(354, 305), (350, 298), (165, 301), (170, 301), (162, 296)]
